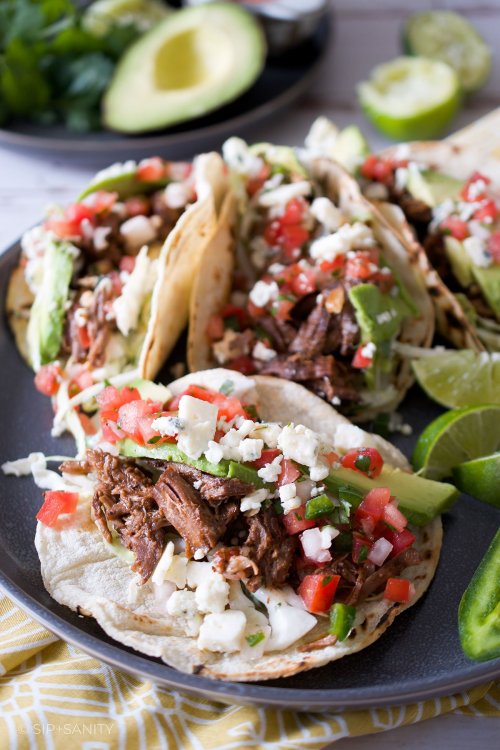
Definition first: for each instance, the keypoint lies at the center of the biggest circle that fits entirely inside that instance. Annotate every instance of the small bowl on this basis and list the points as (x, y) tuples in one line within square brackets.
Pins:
[(286, 23)]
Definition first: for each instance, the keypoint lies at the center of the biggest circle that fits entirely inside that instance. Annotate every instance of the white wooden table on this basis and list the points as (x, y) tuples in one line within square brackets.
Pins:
[(367, 32)]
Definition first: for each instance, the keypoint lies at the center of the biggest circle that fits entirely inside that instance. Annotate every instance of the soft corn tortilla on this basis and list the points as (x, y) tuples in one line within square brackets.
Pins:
[(80, 571), (213, 285), (477, 149), (178, 263)]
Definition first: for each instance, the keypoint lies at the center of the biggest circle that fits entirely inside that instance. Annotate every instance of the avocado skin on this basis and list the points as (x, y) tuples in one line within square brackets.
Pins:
[(45, 327)]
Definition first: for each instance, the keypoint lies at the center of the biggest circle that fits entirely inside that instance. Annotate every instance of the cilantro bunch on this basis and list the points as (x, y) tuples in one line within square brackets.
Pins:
[(53, 69)]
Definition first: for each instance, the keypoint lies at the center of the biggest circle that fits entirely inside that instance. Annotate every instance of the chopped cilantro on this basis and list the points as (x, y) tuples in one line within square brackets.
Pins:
[(154, 439), (254, 638)]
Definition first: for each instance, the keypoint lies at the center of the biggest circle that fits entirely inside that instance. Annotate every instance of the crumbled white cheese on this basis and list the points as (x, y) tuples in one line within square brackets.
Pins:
[(300, 444), (288, 497), (182, 604), (281, 195), (318, 472), (250, 449), (198, 572), (276, 268), (200, 422), (164, 564), (176, 571), (127, 307), (269, 433), (327, 214), (223, 632), (263, 293), (477, 252), (170, 426), (137, 231), (212, 594), (239, 157), (178, 194), (348, 237), (263, 353), (368, 350), (270, 472), (253, 501), (214, 453)]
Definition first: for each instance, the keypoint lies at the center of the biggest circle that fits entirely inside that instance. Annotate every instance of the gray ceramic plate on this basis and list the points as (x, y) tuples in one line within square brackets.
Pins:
[(418, 657), (283, 80)]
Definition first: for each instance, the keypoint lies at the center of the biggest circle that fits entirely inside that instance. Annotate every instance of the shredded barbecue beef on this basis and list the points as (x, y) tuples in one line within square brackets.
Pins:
[(187, 512), (311, 337), (215, 490), (296, 367)]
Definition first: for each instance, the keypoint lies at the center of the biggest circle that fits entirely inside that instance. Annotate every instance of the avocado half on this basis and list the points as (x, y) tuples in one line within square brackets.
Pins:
[(191, 63)]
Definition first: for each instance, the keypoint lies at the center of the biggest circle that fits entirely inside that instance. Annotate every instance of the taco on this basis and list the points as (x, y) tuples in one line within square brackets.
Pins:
[(316, 287), (206, 528), (442, 197), (102, 287)]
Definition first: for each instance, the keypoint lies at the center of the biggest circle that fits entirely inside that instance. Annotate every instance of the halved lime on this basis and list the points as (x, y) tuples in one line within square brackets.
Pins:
[(449, 37), (100, 16), (480, 478), (411, 98), (455, 437), (460, 378)]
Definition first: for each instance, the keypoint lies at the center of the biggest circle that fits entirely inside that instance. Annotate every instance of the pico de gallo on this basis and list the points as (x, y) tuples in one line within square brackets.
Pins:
[(314, 298), (459, 229)]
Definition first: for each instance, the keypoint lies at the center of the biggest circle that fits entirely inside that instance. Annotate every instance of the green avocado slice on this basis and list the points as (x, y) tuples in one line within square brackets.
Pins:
[(189, 64), (432, 187), (379, 315), (122, 179), (45, 326), (489, 281)]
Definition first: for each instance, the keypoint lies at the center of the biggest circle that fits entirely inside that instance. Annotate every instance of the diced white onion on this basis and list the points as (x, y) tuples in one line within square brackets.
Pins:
[(380, 551)]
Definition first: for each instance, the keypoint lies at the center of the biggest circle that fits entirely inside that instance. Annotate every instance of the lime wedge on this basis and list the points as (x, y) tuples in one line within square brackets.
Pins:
[(449, 37), (103, 14), (455, 437), (461, 378), (480, 478), (411, 98)]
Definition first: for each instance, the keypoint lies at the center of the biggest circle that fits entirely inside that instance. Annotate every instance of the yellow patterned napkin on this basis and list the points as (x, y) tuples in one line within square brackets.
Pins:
[(53, 695)]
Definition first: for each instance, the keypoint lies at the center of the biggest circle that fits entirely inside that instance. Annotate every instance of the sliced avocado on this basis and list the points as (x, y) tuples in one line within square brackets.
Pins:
[(191, 63), (153, 391), (45, 327), (282, 158), (489, 281), (432, 187), (420, 499), (379, 315), (460, 262), (122, 179), (350, 147), (170, 452)]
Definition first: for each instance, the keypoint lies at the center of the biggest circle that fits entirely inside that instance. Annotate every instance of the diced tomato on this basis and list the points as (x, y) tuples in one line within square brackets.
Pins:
[(373, 504), (81, 381), (55, 504), (243, 364), (89, 427), (317, 591), (272, 233), (327, 266), (111, 433), (254, 310), (69, 224), (138, 205), (178, 170), (399, 540), (47, 379), (304, 283), (145, 430), (295, 521), (332, 458), (361, 266), (294, 211), (292, 237), (399, 590), (487, 212), (111, 398), (101, 201), (83, 337), (77, 212), (494, 247), (394, 517), (255, 183), (266, 457), (365, 460), (289, 472), (360, 361), (129, 415), (233, 311), (458, 228), (283, 308), (375, 168), (127, 263), (151, 170), (215, 328), (471, 191), (229, 406), (360, 548)]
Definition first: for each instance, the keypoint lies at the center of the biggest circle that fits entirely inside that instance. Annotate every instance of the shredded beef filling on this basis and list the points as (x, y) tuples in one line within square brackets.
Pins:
[(141, 502)]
